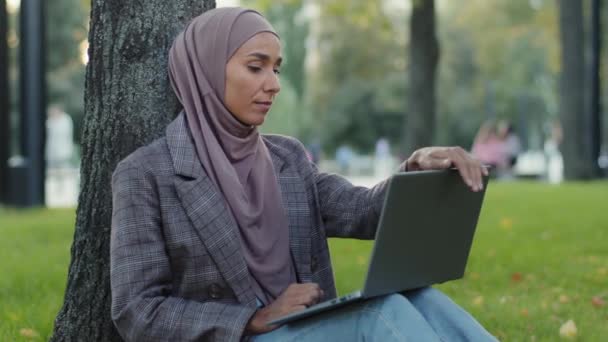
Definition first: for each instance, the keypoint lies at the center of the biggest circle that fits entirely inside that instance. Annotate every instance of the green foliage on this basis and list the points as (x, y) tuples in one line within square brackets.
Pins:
[(67, 25), (534, 264), (360, 112), (499, 60), (357, 94)]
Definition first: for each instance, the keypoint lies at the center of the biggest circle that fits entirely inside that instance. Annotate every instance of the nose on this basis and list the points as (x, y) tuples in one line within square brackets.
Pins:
[(272, 83)]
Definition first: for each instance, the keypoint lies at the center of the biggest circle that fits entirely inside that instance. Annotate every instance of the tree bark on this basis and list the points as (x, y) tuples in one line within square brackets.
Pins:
[(576, 145), (422, 70), (596, 85), (5, 139), (128, 103)]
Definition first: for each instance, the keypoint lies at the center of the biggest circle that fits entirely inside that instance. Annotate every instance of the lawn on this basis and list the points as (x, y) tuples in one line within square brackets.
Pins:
[(34, 258), (539, 259)]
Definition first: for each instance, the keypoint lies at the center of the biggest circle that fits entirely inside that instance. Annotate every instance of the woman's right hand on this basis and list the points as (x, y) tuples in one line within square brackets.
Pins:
[(296, 297)]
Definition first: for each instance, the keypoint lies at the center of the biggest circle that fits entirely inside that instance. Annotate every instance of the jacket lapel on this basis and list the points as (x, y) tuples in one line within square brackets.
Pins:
[(295, 201), (207, 211)]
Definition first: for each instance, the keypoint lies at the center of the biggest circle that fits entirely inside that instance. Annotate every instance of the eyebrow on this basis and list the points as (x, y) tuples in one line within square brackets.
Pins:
[(264, 57)]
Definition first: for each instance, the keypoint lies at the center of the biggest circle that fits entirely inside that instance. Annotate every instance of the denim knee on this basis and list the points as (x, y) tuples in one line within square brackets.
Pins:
[(392, 300)]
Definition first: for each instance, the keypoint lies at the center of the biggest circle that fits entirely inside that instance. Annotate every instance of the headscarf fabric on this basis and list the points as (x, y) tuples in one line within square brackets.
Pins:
[(233, 155)]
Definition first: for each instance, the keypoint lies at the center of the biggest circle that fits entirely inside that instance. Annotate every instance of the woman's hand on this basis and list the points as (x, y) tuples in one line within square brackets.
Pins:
[(296, 297), (434, 158)]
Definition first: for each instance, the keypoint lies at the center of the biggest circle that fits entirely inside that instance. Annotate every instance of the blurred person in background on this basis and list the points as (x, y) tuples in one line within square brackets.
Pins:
[(382, 158), (489, 148), (344, 156), (553, 156), (218, 229)]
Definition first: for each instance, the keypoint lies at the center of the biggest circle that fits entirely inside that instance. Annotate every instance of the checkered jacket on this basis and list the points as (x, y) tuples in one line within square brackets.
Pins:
[(177, 271)]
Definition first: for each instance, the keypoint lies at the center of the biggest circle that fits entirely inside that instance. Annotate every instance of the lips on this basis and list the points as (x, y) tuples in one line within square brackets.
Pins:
[(263, 105)]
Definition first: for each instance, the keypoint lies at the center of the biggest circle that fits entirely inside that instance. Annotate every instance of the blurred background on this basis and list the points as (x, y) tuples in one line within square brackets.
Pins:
[(349, 86), (364, 83)]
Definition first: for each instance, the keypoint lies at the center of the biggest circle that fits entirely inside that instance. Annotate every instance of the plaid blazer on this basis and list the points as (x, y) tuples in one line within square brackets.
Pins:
[(176, 267)]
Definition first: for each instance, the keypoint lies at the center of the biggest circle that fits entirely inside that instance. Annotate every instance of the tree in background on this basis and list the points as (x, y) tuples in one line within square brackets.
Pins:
[(4, 103), (422, 71), (576, 145), (66, 28), (67, 25), (500, 60), (128, 103), (356, 91)]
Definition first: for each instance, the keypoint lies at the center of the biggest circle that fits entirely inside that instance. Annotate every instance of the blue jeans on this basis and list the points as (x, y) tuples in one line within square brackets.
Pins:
[(419, 315)]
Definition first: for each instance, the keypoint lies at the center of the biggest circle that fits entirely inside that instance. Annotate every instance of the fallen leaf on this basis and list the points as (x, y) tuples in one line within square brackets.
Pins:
[(568, 330), (516, 277), (478, 301), (28, 333), (564, 299), (597, 301), (524, 312)]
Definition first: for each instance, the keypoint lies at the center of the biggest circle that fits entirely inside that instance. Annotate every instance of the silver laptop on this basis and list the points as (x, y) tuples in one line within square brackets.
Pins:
[(423, 238)]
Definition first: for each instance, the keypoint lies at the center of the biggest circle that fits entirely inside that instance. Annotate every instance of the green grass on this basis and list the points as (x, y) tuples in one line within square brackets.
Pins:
[(34, 257), (539, 257)]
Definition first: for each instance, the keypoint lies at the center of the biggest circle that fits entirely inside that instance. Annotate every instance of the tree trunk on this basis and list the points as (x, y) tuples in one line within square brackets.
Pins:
[(576, 145), (596, 85), (5, 139), (423, 60), (128, 103)]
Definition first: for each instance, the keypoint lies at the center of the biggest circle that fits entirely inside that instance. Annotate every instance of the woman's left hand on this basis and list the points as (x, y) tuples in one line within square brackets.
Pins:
[(436, 158)]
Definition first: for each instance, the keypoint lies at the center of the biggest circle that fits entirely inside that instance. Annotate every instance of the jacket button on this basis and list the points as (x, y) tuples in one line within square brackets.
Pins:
[(314, 263), (214, 291)]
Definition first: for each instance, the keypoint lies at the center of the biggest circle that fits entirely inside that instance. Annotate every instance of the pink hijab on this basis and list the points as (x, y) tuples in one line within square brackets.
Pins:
[(233, 154)]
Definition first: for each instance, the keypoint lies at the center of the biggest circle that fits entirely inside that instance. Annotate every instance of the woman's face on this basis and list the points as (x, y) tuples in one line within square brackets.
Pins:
[(252, 79)]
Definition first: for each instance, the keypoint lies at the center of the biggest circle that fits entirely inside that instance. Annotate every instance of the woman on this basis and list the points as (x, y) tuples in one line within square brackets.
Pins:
[(488, 147), (217, 230)]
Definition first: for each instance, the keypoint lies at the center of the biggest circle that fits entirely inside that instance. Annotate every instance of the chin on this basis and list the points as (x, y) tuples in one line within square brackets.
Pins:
[(257, 119)]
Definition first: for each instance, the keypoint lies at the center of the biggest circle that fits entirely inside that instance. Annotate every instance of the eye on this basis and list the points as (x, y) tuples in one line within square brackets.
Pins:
[(254, 69), (277, 71)]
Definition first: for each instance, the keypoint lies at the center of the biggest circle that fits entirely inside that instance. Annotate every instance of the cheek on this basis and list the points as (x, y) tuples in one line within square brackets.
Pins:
[(245, 88)]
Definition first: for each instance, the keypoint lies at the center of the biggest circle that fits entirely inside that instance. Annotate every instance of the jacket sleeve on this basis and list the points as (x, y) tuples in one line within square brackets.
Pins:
[(348, 210), (144, 307)]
